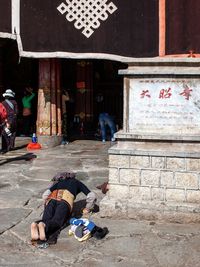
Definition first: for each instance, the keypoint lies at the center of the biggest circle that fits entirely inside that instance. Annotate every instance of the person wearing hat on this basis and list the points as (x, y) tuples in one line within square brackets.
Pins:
[(9, 132)]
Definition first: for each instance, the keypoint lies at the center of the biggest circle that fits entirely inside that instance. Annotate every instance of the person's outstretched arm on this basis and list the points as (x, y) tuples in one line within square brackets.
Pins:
[(90, 198), (49, 190)]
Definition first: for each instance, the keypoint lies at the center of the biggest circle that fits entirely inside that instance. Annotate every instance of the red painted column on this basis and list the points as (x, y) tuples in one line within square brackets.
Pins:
[(84, 91), (53, 97), (162, 27), (58, 99), (49, 114)]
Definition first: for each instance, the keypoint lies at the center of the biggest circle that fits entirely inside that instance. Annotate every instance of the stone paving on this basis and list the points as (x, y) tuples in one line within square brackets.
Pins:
[(24, 175)]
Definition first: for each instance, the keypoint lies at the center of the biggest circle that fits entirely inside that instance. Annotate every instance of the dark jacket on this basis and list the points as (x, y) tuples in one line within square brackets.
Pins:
[(12, 111)]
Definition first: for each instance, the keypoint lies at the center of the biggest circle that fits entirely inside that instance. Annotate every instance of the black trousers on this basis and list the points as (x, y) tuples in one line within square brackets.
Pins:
[(27, 122), (8, 142), (55, 215)]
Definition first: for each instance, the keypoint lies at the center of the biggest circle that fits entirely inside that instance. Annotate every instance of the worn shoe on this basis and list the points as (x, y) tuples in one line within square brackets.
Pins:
[(113, 139), (99, 232), (34, 231), (103, 141), (63, 143), (3, 151), (103, 187)]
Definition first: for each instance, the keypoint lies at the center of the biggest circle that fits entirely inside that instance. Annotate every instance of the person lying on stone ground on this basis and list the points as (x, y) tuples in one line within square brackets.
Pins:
[(59, 199)]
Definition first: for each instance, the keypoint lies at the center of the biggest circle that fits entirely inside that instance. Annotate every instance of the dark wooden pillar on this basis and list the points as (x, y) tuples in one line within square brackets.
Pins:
[(84, 91)]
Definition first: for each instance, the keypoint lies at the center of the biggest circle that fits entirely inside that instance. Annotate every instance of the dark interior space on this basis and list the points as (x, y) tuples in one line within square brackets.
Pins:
[(17, 74), (94, 86)]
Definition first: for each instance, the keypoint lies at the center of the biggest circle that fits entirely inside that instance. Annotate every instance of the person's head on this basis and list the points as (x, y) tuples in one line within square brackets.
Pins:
[(66, 91), (9, 94), (63, 176), (28, 90)]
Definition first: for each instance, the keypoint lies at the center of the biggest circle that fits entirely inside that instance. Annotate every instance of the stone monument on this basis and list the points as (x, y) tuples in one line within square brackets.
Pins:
[(154, 169)]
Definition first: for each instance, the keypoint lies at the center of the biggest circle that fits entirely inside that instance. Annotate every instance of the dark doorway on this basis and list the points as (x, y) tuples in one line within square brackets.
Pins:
[(17, 73), (94, 86)]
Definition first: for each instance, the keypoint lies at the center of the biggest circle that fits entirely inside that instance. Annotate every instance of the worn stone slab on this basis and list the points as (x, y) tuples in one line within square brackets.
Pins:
[(128, 243), (33, 185), (15, 198), (14, 252), (10, 217)]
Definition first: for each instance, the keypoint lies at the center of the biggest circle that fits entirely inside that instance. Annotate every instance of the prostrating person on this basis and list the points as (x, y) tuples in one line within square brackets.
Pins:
[(59, 199)]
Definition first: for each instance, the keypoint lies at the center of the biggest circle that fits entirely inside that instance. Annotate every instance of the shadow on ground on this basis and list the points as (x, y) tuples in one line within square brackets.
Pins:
[(25, 157)]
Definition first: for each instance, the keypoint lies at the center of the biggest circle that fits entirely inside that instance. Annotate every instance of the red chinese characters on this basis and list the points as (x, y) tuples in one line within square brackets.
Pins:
[(145, 93), (186, 92), (165, 93)]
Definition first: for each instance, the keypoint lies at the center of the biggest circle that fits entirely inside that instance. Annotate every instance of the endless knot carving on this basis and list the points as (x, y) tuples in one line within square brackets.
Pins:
[(87, 13)]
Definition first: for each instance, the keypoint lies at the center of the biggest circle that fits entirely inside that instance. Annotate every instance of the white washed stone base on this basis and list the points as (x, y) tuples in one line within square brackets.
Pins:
[(153, 211), (152, 184), (48, 141)]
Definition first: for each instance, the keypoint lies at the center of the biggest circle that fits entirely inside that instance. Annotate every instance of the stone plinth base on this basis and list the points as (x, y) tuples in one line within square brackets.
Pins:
[(49, 141), (154, 181), (154, 211)]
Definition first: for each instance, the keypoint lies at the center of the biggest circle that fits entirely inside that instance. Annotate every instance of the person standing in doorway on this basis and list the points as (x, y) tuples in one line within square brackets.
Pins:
[(9, 132), (27, 112), (106, 119), (65, 118)]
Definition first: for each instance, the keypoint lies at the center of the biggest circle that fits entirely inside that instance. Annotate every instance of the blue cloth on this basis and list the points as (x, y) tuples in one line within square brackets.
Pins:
[(106, 119), (88, 224)]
